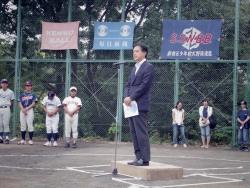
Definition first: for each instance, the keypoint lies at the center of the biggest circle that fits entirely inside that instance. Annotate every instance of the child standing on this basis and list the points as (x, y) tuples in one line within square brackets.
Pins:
[(243, 116), (27, 102), (51, 106), (6, 101), (71, 106)]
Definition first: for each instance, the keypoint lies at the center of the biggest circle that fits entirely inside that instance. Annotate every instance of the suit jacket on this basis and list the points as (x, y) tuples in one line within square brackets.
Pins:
[(139, 84)]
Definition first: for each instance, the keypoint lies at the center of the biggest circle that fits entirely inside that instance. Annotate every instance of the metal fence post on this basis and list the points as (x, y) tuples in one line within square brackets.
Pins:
[(68, 63), (236, 40), (246, 93), (177, 68), (119, 106), (17, 69)]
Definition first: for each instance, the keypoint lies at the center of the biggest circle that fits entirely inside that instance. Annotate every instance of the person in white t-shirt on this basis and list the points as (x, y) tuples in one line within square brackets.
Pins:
[(71, 106), (178, 119), (51, 106)]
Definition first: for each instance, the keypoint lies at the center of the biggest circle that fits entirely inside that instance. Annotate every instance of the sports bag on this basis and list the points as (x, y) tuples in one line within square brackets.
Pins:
[(212, 121)]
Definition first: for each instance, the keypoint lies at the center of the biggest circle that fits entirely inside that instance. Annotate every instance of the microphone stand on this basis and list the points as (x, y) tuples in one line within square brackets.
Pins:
[(115, 172)]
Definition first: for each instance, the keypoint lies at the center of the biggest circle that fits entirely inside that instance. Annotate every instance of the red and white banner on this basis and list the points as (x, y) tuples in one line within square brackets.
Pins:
[(59, 36)]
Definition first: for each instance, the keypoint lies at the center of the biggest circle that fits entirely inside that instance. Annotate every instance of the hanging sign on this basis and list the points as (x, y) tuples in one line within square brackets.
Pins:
[(191, 39)]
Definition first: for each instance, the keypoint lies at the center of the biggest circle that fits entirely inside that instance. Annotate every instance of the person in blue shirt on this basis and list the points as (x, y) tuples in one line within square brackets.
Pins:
[(27, 101), (243, 116)]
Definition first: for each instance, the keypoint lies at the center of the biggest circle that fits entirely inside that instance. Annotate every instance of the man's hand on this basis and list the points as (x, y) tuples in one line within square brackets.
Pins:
[(127, 101)]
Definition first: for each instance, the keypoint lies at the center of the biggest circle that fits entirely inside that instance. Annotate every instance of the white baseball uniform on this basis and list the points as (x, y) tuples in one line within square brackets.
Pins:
[(53, 121), (5, 101), (71, 122)]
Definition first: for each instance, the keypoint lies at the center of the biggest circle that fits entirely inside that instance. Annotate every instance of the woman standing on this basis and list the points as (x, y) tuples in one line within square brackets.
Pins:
[(178, 118), (243, 116), (205, 112)]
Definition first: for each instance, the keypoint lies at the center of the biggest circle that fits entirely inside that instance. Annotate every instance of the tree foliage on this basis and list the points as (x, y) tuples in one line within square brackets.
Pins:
[(196, 80)]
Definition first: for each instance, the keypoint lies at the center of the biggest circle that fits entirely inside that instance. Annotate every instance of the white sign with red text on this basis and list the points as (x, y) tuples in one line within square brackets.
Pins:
[(59, 36)]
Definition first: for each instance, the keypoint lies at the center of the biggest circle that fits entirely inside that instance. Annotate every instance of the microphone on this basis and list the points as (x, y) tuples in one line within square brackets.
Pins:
[(120, 63)]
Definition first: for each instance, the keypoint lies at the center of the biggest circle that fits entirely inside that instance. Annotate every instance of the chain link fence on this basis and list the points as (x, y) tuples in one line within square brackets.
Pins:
[(91, 71)]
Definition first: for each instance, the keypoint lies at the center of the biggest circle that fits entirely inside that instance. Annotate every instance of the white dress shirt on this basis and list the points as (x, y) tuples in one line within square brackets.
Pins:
[(138, 65)]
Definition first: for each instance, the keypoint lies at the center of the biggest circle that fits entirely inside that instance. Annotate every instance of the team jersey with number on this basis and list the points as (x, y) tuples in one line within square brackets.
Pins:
[(26, 99), (51, 105), (72, 103), (6, 96)]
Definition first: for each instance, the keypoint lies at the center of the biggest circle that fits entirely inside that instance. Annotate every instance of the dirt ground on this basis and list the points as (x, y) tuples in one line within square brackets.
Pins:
[(89, 165)]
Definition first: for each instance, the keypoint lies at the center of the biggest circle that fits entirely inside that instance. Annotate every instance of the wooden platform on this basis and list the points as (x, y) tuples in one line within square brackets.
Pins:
[(155, 171)]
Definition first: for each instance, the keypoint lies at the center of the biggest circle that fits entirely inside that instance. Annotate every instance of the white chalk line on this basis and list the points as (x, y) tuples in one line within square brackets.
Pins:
[(228, 180), (125, 181), (24, 155), (86, 172), (227, 168), (230, 174), (185, 176), (100, 173), (94, 166), (215, 159), (122, 155), (13, 139), (25, 168), (96, 173)]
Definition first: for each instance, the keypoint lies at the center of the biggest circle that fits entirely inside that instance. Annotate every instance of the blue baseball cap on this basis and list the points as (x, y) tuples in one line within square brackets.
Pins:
[(4, 80), (243, 102), (51, 95), (28, 83)]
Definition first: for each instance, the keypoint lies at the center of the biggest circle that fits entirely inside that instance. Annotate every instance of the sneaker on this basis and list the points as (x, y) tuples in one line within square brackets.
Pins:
[(30, 142), (67, 145), (245, 149), (240, 148), (7, 141), (175, 145), (22, 142), (74, 145), (47, 143), (1, 141), (55, 144), (184, 145)]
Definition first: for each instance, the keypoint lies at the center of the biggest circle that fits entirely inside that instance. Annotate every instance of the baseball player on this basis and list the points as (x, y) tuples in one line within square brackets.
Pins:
[(71, 106), (27, 102), (6, 101), (51, 105)]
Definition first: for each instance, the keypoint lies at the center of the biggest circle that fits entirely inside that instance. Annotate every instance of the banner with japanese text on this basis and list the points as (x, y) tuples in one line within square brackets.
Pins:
[(191, 39), (60, 36), (113, 35)]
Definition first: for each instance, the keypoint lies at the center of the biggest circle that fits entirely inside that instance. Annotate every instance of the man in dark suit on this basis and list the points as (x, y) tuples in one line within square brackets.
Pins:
[(138, 89)]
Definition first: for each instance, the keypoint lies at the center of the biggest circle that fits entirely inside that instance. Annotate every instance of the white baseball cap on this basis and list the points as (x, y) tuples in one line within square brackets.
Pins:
[(73, 88)]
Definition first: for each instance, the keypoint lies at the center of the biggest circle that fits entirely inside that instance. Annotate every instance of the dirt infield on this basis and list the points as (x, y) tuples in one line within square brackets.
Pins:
[(89, 166)]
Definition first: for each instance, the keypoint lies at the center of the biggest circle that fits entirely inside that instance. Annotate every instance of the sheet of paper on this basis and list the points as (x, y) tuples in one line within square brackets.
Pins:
[(130, 111)]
